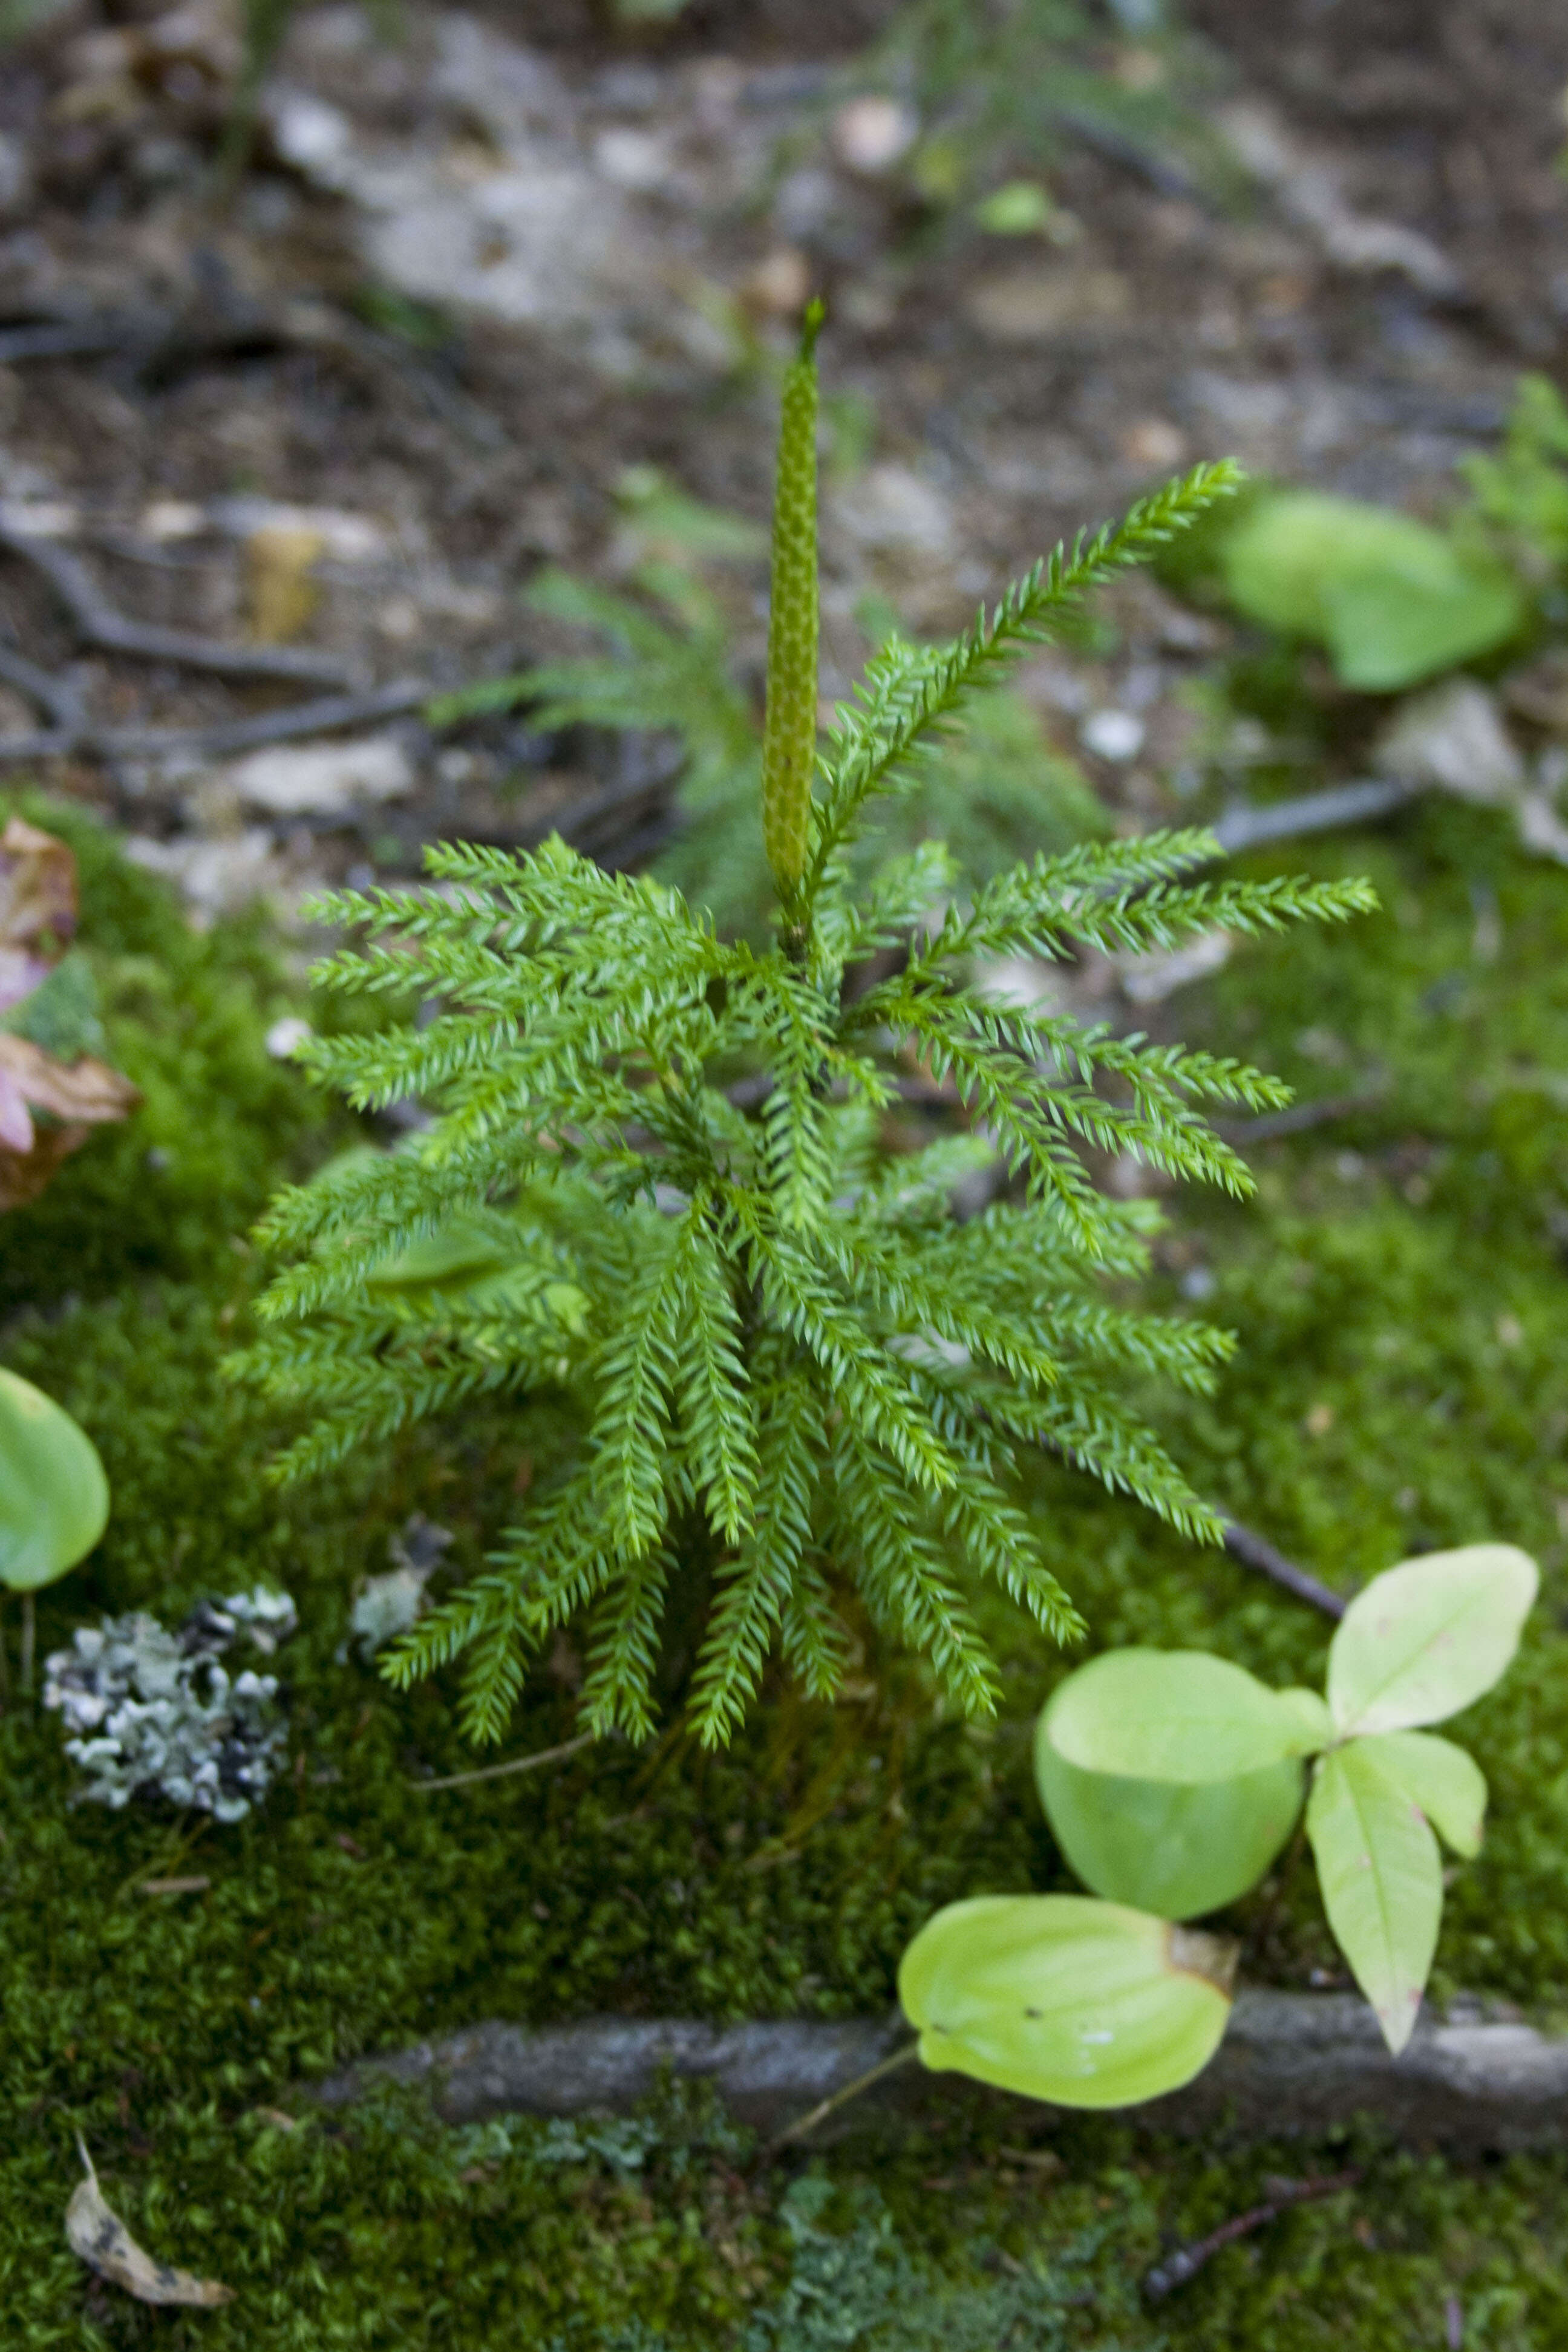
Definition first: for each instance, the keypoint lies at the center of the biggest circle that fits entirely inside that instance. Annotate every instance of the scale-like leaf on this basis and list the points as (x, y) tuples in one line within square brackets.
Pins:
[(1425, 1639), (1173, 1714), (54, 1497), (1058, 1997), (1381, 1881), (1448, 1784)]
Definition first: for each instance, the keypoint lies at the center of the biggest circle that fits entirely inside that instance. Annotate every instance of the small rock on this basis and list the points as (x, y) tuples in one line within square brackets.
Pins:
[(890, 507), (346, 537), (285, 1037), (1032, 306), (869, 134), (631, 159), (216, 878), (312, 138), (1154, 442), (1454, 737), (780, 285), (324, 779), (1112, 734)]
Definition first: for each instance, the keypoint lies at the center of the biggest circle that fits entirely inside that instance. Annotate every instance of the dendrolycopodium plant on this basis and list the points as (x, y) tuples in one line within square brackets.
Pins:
[(652, 1186), (1172, 1778)]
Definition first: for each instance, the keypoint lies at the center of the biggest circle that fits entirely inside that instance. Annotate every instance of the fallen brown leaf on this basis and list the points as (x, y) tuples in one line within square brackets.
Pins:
[(81, 1094), (100, 2239)]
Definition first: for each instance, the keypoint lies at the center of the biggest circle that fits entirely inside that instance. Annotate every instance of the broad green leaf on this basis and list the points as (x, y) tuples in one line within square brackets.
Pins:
[(1426, 1638), (1178, 1850), (54, 1497), (1173, 1715), (1393, 600), (1058, 1997), (1381, 1881), (1448, 1784)]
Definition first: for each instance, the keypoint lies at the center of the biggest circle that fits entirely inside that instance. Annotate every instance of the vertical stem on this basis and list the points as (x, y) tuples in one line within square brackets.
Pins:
[(4, 1662), (29, 1634), (789, 733)]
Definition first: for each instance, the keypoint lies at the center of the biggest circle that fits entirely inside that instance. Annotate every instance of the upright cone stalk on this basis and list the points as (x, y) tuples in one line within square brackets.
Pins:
[(789, 735)]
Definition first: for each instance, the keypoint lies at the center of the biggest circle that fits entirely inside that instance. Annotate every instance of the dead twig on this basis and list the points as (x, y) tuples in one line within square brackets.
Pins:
[(518, 1764), (1249, 827), (322, 716), (1298, 1119), (1187, 2261), (59, 698), (1253, 1551), (101, 626)]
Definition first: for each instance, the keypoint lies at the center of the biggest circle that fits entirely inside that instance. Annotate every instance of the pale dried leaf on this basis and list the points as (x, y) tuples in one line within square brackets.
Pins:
[(37, 907), (84, 1089), (100, 2239)]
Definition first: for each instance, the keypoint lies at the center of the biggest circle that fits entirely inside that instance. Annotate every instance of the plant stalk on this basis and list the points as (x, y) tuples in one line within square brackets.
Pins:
[(825, 2107), (30, 1637), (789, 727)]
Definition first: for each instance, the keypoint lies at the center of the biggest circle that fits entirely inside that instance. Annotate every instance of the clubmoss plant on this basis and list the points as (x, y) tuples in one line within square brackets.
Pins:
[(654, 1183)]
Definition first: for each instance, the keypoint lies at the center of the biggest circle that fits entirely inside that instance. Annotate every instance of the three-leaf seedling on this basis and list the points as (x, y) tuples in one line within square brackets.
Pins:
[(1172, 1779), (54, 1497)]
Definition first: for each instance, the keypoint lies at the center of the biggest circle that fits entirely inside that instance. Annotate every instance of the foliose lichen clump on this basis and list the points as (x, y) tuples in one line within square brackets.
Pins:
[(157, 1714)]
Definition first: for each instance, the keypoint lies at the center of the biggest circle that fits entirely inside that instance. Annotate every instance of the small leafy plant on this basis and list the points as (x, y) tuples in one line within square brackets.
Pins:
[(1172, 1779), (653, 1185)]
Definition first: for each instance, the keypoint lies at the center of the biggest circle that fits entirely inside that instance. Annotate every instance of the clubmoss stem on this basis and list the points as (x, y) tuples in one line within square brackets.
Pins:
[(789, 733)]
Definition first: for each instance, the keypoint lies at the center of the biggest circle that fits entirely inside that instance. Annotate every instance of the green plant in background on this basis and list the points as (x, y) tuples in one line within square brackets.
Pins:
[(1172, 1779), (798, 1376), (1013, 83), (54, 1499), (1392, 600), (1520, 494)]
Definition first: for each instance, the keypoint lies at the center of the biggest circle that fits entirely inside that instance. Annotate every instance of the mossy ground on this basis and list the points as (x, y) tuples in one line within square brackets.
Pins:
[(1403, 1382)]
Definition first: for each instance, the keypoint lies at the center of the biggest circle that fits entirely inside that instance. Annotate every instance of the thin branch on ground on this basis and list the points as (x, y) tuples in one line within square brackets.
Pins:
[(1254, 1551), (1187, 2261), (323, 715), (58, 697), (1247, 827), (518, 1764), (1298, 1119), (101, 626)]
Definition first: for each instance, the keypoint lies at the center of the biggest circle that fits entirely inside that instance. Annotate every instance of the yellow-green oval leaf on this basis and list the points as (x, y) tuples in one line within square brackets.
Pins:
[(1177, 1851), (1173, 1714), (54, 1497), (1160, 1845), (1058, 1997), (1426, 1638), (1445, 1782), (1381, 1881)]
